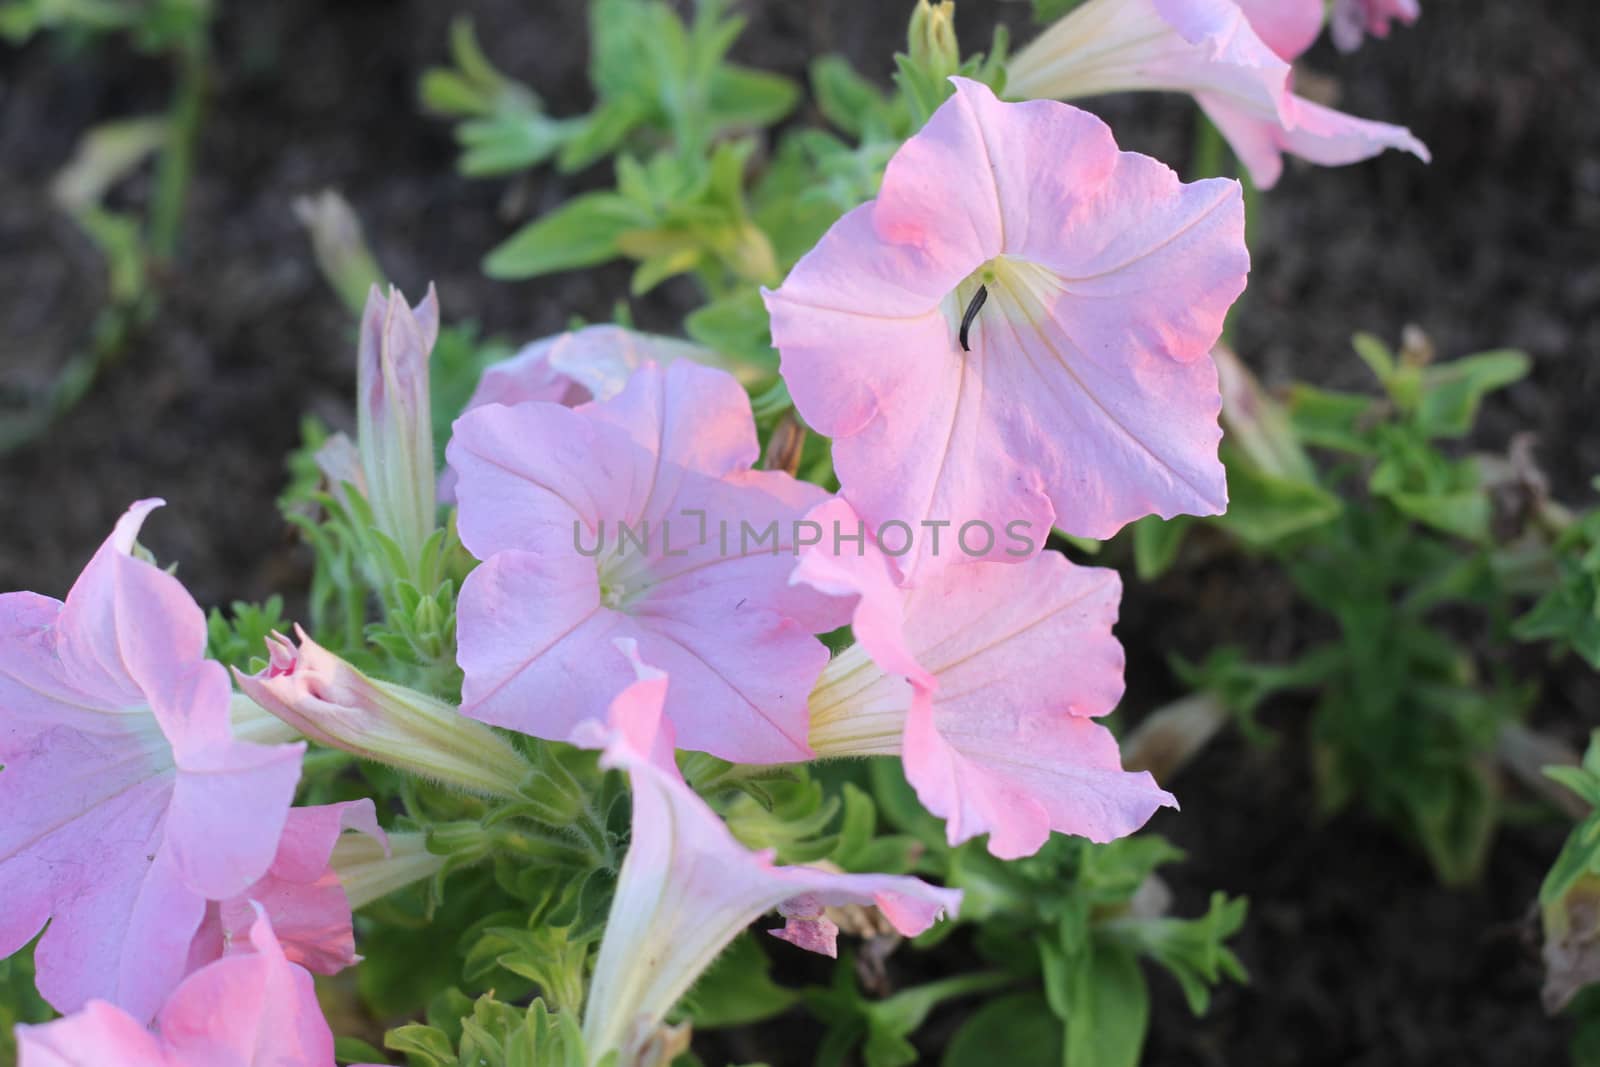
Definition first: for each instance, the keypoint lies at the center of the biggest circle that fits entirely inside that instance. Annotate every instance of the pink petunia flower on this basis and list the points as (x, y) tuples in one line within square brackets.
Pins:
[(1232, 56), (301, 894), (257, 1008), (1353, 20), (984, 680), (637, 517), (688, 887), (1079, 391), (128, 801)]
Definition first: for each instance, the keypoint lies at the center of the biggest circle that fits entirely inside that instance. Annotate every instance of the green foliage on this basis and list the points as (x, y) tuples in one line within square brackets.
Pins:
[(1568, 613), (490, 1033), (20, 1003), (241, 641), (1385, 542)]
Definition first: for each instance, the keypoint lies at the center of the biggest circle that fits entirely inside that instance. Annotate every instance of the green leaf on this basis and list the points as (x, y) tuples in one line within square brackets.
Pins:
[(1340, 421), (738, 989), (1452, 392), (582, 232), (1016, 1029), (750, 99), (1264, 509), (1156, 542)]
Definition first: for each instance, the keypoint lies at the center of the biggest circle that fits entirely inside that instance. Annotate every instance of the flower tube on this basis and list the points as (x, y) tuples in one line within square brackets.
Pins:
[(687, 887)]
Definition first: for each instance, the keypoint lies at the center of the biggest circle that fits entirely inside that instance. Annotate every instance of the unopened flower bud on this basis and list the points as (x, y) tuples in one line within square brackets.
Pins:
[(1256, 424), (932, 38), (395, 418), (331, 702)]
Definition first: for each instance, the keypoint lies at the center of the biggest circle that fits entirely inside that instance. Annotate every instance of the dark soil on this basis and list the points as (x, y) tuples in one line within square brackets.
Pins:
[(1357, 957)]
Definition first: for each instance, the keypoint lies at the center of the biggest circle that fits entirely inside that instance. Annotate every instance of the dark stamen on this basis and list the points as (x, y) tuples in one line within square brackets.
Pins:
[(972, 312)]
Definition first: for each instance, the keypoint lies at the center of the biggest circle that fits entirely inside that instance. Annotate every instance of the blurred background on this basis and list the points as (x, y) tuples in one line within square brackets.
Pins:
[(1357, 955)]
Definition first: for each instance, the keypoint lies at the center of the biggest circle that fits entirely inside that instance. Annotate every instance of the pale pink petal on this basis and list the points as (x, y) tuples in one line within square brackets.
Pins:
[(125, 939), (228, 810), (1006, 663), (99, 1036), (119, 720), (248, 1010), (687, 887), (536, 646), (625, 519), (1288, 27), (1084, 399), (1321, 135), (1017, 780), (1109, 46), (301, 894)]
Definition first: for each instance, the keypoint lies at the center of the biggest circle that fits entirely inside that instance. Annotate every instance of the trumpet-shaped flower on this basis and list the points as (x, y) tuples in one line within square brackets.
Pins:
[(688, 887), (128, 803), (984, 679), (638, 518), (1017, 329), (301, 894), (242, 1011), (395, 420), (1232, 56), (330, 701)]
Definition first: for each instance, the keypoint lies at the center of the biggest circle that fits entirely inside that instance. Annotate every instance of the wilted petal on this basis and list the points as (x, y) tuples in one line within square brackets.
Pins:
[(1351, 20), (687, 887), (986, 676)]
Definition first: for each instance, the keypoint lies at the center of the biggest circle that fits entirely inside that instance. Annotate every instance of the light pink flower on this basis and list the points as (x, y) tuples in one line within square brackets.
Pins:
[(1087, 398), (330, 701), (984, 679), (1231, 56), (300, 893), (1352, 20), (544, 490), (127, 801), (242, 1011), (688, 887)]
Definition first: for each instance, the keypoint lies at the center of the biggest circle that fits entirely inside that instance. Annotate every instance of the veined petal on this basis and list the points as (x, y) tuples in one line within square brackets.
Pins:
[(627, 519), (1079, 393), (1006, 663), (100, 1034)]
